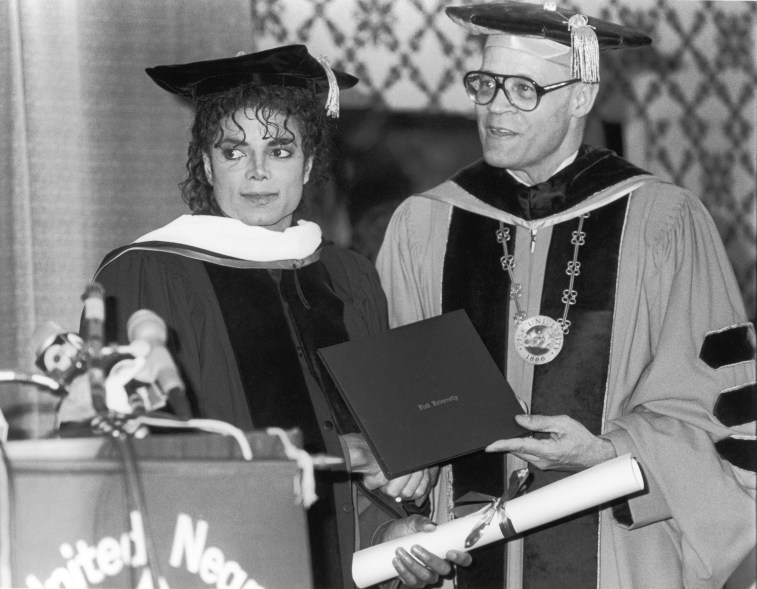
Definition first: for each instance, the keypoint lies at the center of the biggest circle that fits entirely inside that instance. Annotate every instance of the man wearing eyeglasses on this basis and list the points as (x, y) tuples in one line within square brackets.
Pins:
[(644, 343)]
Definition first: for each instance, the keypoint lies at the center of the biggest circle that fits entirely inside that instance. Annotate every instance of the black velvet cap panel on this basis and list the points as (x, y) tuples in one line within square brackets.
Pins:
[(730, 346), (523, 19), (289, 65)]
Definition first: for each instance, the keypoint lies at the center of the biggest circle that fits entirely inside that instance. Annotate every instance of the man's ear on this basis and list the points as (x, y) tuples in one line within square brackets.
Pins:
[(208, 168), (308, 169), (584, 96)]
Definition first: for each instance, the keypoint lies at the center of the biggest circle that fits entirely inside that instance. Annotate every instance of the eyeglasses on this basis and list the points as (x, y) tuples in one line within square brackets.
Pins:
[(523, 93)]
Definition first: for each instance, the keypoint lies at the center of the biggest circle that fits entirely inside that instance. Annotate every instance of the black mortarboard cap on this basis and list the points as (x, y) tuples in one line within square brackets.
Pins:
[(586, 36), (289, 65)]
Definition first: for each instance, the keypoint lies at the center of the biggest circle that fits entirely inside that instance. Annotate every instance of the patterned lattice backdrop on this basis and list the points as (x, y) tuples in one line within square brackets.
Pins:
[(686, 105)]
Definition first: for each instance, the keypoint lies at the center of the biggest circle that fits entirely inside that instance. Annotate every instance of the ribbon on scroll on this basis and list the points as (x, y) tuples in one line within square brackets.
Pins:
[(594, 486)]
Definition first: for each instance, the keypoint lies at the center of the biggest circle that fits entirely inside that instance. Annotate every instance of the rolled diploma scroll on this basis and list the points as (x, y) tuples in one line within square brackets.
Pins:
[(591, 487)]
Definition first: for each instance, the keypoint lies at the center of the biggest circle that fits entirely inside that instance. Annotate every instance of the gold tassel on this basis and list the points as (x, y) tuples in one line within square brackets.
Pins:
[(332, 101), (584, 63)]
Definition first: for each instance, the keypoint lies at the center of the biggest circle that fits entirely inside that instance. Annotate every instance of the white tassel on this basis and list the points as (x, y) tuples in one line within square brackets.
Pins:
[(332, 101), (304, 484), (584, 63)]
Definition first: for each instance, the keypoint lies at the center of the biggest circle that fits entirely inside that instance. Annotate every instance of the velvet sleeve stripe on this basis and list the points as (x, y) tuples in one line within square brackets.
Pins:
[(740, 452), (728, 346), (737, 406)]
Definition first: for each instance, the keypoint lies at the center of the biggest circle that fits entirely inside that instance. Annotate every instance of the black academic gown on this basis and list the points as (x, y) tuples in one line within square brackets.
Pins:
[(245, 341)]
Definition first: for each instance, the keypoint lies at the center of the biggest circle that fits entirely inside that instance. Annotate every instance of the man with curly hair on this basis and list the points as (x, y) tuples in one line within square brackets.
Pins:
[(249, 290)]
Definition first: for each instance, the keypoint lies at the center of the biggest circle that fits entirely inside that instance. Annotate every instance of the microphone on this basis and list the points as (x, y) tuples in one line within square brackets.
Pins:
[(94, 318), (145, 325), (131, 385), (94, 334)]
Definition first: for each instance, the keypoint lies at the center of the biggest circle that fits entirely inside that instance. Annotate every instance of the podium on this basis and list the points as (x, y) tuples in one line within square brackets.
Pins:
[(210, 518)]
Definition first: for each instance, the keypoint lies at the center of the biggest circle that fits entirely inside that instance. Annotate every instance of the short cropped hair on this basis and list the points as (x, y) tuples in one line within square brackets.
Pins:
[(299, 104)]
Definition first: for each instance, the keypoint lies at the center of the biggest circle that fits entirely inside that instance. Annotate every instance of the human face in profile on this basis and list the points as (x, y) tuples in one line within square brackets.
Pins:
[(258, 172), (531, 144)]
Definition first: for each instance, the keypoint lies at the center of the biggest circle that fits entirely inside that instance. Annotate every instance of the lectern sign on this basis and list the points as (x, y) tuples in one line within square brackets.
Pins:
[(207, 522), (97, 564)]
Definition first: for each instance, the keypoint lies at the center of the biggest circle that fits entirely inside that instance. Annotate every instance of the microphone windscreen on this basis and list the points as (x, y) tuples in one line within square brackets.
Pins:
[(147, 325), (94, 302)]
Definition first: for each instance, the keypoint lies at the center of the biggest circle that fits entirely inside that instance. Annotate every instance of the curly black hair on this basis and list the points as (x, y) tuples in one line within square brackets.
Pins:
[(264, 103)]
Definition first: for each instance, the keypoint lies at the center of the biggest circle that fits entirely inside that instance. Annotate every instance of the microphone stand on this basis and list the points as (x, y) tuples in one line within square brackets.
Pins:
[(107, 421), (136, 499), (37, 380)]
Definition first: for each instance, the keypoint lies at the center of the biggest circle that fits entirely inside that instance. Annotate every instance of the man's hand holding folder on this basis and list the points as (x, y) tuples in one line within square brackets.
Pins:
[(424, 394), (414, 486)]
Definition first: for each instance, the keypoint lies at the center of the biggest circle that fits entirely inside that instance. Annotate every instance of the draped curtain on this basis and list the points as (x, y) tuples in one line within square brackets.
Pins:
[(92, 152)]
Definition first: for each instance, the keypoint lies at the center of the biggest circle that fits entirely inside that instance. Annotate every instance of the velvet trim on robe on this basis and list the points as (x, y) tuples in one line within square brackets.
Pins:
[(482, 290), (593, 170), (569, 384), (255, 305), (258, 306), (574, 384)]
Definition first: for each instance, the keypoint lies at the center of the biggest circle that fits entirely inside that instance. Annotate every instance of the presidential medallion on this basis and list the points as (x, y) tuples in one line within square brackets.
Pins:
[(538, 339)]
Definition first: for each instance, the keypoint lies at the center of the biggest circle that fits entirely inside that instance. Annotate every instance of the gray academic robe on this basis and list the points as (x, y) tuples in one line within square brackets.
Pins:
[(678, 356)]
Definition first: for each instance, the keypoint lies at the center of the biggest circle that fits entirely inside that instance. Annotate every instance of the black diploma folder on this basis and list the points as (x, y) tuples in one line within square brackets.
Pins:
[(424, 393)]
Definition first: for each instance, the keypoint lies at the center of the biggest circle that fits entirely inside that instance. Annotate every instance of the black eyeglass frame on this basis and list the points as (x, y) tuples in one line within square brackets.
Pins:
[(499, 81)]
